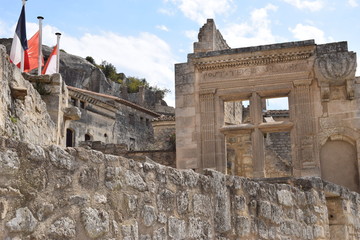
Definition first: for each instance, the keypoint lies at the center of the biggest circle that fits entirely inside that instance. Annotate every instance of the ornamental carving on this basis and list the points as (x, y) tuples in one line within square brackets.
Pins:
[(336, 69)]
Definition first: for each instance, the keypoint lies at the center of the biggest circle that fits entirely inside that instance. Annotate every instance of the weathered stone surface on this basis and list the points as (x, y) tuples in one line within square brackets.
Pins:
[(201, 205), (198, 229), (130, 230), (166, 200), (95, 221), (215, 207), (9, 162), (177, 228), (148, 215), (182, 202), (63, 228), (60, 158), (135, 180), (160, 234), (72, 113), (24, 221), (285, 198)]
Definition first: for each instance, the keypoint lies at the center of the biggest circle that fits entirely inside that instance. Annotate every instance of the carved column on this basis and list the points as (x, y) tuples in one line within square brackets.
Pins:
[(305, 127), (208, 140), (257, 137)]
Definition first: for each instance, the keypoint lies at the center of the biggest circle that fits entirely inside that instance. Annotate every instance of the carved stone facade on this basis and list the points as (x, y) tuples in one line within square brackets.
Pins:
[(323, 98)]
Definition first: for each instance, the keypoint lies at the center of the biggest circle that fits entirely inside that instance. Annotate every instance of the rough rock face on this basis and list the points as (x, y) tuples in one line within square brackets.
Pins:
[(73, 193), (78, 72), (23, 114)]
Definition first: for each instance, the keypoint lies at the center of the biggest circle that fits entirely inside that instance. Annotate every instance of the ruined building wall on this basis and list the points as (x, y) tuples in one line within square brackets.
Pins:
[(55, 193), (23, 114)]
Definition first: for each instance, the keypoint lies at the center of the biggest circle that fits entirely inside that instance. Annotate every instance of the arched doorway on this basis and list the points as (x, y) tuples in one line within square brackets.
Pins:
[(70, 137), (339, 165)]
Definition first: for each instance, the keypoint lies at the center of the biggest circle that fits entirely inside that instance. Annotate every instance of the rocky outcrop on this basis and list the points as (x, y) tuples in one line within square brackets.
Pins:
[(73, 193), (79, 73)]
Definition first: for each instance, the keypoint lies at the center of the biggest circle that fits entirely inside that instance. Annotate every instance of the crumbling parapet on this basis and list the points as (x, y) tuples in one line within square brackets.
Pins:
[(209, 38)]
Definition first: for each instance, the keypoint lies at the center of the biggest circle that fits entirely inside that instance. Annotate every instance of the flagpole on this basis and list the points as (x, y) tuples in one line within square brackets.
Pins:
[(22, 63), (58, 52), (40, 45)]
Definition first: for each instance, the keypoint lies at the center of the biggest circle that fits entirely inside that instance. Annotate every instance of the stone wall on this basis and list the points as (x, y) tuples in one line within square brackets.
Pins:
[(23, 114), (55, 193)]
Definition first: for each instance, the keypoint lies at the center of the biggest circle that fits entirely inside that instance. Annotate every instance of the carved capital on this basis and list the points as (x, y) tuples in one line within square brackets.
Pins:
[(335, 69)]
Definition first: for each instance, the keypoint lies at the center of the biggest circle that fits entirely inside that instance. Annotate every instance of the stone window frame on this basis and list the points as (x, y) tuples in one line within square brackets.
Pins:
[(256, 126)]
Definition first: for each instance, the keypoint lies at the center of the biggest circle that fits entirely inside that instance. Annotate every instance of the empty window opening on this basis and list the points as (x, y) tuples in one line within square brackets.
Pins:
[(236, 112), (132, 144), (73, 101), (82, 104), (278, 160), (131, 119), (275, 109), (148, 122), (70, 137), (87, 137)]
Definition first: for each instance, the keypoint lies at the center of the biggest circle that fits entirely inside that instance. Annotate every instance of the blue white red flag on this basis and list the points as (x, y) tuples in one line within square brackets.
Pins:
[(19, 42)]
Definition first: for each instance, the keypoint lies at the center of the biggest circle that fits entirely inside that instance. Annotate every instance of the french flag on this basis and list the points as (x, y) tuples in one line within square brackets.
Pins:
[(50, 66), (19, 43)]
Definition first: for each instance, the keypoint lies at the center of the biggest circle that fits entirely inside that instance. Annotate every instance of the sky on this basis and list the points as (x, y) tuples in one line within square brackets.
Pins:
[(145, 38)]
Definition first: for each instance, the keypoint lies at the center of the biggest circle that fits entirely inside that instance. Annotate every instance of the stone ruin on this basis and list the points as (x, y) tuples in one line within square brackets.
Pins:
[(221, 117), (51, 192)]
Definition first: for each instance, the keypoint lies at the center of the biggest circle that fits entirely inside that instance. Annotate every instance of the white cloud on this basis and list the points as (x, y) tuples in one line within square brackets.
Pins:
[(315, 5), (168, 12), (191, 34), (305, 32), (4, 29), (200, 10), (353, 3), (162, 27), (256, 31)]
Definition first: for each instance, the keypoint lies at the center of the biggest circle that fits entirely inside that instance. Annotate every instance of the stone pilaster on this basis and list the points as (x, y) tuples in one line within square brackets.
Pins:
[(305, 128), (208, 141), (257, 136)]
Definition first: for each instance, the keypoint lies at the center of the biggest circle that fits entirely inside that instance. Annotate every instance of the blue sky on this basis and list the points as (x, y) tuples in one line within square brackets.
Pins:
[(145, 38)]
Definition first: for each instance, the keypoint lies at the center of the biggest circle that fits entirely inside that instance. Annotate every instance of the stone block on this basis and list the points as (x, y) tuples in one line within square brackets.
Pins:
[(165, 200), (242, 226), (134, 180), (24, 221), (148, 215), (182, 202), (285, 198), (95, 221), (177, 228), (9, 162), (64, 228), (201, 205), (160, 234)]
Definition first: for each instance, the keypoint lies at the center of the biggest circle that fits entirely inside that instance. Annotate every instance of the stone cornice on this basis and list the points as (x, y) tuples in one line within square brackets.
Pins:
[(214, 64)]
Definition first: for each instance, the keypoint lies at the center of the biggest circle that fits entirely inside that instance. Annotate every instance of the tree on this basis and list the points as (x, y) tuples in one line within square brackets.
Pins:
[(90, 60)]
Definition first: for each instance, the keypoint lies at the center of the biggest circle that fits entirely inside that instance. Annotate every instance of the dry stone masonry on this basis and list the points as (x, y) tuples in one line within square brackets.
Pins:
[(73, 193)]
